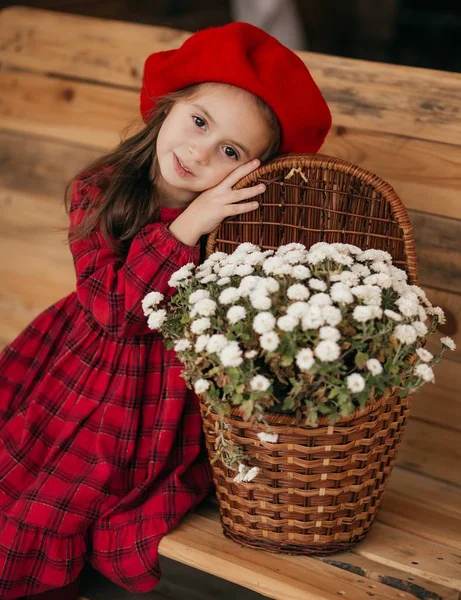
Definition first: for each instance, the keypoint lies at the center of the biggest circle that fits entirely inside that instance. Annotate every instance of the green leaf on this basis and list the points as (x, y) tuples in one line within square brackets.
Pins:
[(286, 361), (185, 319), (334, 392), (288, 403), (234, 375), (361, 359)]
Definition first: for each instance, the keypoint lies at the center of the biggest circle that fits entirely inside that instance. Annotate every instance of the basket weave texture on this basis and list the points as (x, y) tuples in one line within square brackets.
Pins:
[(320, 488)]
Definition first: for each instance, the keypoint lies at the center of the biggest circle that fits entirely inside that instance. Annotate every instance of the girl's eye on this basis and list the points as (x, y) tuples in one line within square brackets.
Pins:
[(199, 121), (230, 152)]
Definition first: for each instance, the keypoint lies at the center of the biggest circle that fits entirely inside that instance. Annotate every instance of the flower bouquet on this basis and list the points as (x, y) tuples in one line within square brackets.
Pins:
[(282, 344)]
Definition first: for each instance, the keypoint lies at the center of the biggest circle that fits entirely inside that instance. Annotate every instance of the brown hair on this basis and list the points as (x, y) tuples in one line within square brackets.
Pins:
[(125, 174)]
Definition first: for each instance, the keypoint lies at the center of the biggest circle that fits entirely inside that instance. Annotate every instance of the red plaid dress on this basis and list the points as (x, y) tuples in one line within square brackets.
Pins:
[(101, 449)]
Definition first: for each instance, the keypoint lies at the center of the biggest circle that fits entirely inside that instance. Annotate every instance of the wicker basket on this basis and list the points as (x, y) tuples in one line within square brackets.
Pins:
[(320, 488)]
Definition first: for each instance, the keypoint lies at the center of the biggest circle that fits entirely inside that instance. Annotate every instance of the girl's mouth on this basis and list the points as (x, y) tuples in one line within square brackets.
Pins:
[(181, 169)]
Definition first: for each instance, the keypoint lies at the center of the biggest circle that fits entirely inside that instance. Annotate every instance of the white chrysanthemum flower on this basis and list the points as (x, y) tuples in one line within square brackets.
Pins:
[(347, 277), (313, 318), (209, 278), (255, 258), (320, 299), (285, 248), (259, 383), (391, 314), (298, 291), (375, 255), (201, 386), (272, 263), (424, 355), (297, 309), (198, 295), (381, 279), (270, 284), (378, 266), (360, 270), (448, 342), (156, 319), (251, 353), (201, 343), (367, 313), (300, 272), (269, 341), (327, 351), (231, 355), (284, 269), (236, 313), (242, 471), (229, 295), (182, 345), (244, 270), (422, 314), (287, 323), (438, 312), (355, 383), (305, 359), (216, 343), (245, 248), (272, 438), (204, 308), (260, 300), (252, 473), (332, 315), (425, 372), (420, 328), (329, 333), (181, 276), (317, 285), (341, 293), (223, 280), (200, 325), (249, 284), (294, 257), (149, 301), (407, 306), (374, 366), (216, 256), (369, 294), (264, 322), (406, 334), (227, 270)]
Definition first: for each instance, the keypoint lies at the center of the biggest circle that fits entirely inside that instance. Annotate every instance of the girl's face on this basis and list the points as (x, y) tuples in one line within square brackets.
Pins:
[(204, 138)]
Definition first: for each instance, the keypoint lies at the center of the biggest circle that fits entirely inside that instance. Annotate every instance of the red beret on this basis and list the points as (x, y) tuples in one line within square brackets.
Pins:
[(243, 55)]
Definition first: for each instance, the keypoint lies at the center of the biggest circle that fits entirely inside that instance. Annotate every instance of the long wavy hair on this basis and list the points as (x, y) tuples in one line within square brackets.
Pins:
[(128, 172)]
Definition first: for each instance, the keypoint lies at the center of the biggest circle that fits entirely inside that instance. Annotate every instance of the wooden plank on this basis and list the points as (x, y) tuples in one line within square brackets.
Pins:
[(199, 542), (102, 50), (423, 173), (432, 450), (438, 247), (423, 506), (405, 552), (83, 113), (420, 103)]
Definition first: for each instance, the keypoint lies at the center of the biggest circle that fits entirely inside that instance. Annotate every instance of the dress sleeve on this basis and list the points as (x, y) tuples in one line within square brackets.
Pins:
[(112, 289)]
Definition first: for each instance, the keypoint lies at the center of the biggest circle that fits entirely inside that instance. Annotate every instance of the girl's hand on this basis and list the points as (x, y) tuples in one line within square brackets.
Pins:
[(207, 211)]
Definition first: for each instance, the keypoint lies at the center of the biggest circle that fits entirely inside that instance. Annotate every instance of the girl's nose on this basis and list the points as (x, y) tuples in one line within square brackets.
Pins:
[(199, 153)]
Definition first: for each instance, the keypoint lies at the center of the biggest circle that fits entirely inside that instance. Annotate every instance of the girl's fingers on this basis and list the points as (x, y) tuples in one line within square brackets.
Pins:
[(238, 209), (245, 193), (240, 172)]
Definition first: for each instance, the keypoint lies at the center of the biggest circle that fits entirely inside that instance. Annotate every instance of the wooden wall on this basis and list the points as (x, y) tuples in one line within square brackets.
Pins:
[(68, 87)]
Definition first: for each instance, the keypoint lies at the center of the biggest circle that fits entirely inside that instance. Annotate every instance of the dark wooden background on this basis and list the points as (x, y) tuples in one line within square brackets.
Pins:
[(422, 33)]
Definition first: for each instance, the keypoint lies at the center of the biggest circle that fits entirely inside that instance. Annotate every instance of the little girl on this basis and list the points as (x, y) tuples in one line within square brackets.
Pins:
[(101, 449)]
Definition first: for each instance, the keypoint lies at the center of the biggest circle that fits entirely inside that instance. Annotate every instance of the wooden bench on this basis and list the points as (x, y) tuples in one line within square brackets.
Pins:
[(69, 86)]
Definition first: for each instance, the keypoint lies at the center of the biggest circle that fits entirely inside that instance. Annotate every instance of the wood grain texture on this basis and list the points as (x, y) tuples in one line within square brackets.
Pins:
[(420, 103)]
